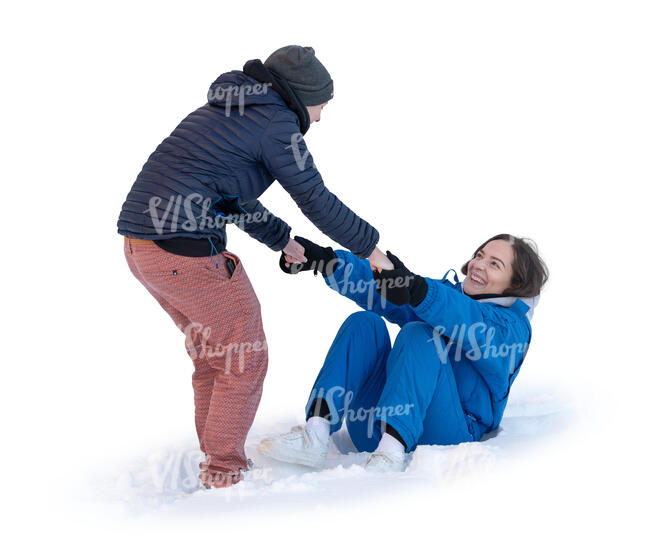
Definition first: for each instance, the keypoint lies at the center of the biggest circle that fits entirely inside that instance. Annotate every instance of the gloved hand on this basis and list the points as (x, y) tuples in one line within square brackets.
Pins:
[(320, 259), (400, 286)]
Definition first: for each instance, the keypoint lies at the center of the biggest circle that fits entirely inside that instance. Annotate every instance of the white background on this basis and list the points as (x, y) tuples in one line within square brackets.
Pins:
[(451, 122)]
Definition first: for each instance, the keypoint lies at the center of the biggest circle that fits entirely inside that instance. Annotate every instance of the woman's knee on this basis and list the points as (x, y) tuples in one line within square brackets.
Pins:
[(368, 322), (368, 326), (417, 340), (415, 332)]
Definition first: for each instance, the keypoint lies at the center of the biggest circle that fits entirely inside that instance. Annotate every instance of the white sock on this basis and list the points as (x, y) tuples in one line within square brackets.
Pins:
[(320, 427), (391, 446)]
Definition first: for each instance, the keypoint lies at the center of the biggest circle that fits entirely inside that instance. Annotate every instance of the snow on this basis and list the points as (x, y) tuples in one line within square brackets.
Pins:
[(453, 121), (166, 479)]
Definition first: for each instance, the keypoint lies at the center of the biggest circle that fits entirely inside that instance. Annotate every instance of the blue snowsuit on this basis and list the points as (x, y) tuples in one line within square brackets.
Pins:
[(448, 376)]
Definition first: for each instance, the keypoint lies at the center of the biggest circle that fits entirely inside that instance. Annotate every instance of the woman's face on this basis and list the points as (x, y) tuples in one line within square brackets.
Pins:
[(490, 271)]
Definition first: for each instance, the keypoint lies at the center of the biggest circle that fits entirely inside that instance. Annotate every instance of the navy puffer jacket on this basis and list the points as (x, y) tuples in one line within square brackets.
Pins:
[(220, 159)]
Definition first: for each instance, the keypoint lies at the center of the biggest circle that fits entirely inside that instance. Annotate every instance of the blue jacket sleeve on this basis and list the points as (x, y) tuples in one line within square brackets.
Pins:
[(353, 279), (264, 226), (456, 315), (284, 154)]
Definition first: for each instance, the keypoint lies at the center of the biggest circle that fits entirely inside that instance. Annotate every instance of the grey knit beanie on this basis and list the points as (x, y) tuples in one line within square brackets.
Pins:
[(305, 74)]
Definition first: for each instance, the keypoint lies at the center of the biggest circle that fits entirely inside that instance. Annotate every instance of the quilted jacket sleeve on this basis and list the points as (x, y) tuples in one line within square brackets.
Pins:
[(285, 155), (264, 226)]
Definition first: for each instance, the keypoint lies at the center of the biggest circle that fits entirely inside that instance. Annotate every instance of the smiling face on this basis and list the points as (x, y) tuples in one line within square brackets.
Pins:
[(490, 271), (314, 112)]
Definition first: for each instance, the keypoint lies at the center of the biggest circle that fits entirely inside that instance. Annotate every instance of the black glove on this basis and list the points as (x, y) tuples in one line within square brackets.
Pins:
[(320, 259), (400, 286)]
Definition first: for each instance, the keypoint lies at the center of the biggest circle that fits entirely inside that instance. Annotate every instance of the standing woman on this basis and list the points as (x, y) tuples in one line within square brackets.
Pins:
[(448, 376), (209, 172)]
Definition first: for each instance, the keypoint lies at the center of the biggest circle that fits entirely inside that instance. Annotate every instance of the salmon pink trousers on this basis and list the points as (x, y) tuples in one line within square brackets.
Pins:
[(220, 316)]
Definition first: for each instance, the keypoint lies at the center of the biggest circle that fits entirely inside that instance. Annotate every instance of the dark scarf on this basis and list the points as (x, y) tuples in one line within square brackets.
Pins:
[(256, 69)]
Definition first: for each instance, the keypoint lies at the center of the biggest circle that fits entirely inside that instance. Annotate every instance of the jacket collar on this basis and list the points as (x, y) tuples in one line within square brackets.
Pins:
[(256, 69), (521, 305)]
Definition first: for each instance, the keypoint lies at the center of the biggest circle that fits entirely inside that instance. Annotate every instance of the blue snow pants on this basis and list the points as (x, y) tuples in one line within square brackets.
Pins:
[(366, 382)]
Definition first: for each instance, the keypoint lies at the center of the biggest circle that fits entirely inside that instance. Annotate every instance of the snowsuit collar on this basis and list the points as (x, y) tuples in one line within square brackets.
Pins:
[(521, 305)]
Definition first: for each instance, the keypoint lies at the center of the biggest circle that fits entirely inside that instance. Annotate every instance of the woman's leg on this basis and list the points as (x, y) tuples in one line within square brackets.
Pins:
[(353, 376), (348, 384), (420, 398)]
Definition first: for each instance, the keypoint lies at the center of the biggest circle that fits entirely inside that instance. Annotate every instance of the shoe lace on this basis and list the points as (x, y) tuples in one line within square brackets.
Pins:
[(303, 430), (381, 457)]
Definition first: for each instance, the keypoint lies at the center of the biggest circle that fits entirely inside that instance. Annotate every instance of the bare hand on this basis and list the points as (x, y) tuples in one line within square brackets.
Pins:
[(379, 261), (294, 252)]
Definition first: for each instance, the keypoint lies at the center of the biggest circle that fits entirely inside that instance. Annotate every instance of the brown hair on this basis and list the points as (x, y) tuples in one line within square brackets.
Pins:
[(529, 272)]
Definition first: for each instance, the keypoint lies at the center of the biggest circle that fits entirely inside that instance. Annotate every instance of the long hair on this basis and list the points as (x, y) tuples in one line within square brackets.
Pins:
[(529, 271)]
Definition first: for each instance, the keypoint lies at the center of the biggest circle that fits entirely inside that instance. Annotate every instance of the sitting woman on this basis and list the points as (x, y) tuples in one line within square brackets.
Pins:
[(447, 378)]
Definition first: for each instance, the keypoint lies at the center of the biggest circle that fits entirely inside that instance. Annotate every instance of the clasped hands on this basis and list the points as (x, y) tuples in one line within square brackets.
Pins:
[(395, 282)]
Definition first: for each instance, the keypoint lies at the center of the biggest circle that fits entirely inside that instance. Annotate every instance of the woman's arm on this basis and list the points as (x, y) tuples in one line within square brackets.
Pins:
[(462, 318), (353, 279), (494, 338)]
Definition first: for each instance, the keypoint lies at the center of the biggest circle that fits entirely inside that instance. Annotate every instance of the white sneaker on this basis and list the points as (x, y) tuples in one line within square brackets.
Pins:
[(381, 462), (300, 445)]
